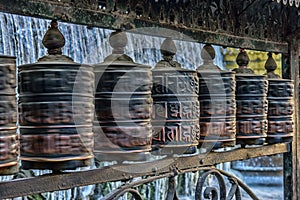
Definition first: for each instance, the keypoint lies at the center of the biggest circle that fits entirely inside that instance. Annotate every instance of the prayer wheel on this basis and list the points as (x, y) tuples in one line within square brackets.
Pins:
[(280, 105), (123, 105), (8, 118), (217, 103), (55, 109), (175, 116), (251, 104)]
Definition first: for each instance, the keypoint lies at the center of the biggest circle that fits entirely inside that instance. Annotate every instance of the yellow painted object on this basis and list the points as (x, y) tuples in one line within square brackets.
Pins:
[(257, 60)]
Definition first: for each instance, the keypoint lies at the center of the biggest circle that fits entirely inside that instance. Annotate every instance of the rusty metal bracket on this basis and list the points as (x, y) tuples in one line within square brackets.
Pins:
[(120, 172)]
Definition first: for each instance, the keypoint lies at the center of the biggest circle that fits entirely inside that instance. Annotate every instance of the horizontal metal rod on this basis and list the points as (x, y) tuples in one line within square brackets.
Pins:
[(122, 172)]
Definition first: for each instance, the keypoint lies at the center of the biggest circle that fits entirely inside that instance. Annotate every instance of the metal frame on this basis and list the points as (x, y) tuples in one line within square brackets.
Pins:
[(291, 159), (166, 167), (282, 35), (202, 190)]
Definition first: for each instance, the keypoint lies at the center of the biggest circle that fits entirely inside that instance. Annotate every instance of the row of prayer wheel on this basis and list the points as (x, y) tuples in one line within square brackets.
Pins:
[(121, 110)]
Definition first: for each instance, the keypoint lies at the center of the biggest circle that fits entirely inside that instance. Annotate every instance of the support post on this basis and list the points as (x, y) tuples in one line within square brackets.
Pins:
[(291, 158)]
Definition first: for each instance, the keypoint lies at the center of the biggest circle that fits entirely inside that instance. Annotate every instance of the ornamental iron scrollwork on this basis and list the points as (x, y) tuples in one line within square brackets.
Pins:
[(219, 191), (204, 190), (135, 194), (172, 194), (209, 191)]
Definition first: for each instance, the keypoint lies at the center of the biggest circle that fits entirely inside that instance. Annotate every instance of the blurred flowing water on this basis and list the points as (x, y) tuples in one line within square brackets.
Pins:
[(21, 37)]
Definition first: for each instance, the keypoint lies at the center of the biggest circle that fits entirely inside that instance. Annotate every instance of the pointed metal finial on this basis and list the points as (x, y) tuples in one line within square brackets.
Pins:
[(118, 41), (208, 54), (168, 49), (243, 60), (271, 66), (53, 39), (270, 63)]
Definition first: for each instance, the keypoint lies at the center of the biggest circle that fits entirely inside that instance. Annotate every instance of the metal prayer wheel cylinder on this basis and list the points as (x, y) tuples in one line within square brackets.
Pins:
[(280, 105), (56, 120), (217, 108), (55, 110), (280, 111), (123, 105), (9, 142), (175, 116), (217, 103), (252, 107)]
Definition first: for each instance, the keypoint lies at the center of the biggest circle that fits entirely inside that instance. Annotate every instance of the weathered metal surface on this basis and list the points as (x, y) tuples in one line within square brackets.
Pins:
[(280, 105), (251, 114), (271, 66), (284, 21), (9, 144), (164, 167), (175, 116), (251, 103), (8, 75), (229, 23), (219, 190), (123, 105), (55, 109), (204, 188), (243, 60), (128, 186), (172, 192), (217, 103), (280, 110), (212, 192)]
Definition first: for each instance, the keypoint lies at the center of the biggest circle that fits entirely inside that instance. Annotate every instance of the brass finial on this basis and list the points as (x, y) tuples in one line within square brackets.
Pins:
[(243, 60), (53, 39), (118, 41), (208, 54), (168, 49), (271, 66)]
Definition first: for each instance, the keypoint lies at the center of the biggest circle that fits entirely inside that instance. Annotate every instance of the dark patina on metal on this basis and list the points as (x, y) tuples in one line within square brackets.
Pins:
[(217, 103), (175, 116), (55, 109), (251, 103), (123, 105), (9, 143), (280, 105)]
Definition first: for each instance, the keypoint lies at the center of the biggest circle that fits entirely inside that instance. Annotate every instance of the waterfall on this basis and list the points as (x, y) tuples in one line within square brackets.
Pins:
[(21, 37)]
